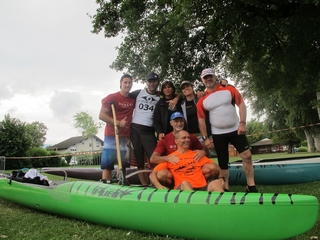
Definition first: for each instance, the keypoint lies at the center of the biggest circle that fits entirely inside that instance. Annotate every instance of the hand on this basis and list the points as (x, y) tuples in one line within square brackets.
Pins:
[(161, 136), (199, 154), (208, 143), (162, 187), (242, 129), (200, 94), (223, 82), (123, 122), (173, 103), (173, 159)]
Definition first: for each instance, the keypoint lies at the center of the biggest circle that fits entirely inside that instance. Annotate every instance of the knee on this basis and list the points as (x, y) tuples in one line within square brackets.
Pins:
[(211, 168), (185, 185), (246, 156)]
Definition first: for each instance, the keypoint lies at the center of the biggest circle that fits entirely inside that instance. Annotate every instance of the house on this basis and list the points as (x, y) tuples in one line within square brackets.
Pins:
[(266, 146), (78, 144)]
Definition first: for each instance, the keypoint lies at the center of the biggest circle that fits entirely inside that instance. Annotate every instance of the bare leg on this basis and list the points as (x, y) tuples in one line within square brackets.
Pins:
[(106, 174), (225, 174), (185, 185), (248, 167), (216, 186), (143, 177), (165, 177), (211, 170)]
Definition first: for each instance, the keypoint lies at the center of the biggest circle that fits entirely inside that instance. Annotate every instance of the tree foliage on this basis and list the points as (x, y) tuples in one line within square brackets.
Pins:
[(270, 48), (36, 131), (86, 124), (14, 140), (17, 137)]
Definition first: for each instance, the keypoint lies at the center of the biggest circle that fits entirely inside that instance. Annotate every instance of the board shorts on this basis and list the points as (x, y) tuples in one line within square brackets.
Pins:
[(221, 144), (109, 152)]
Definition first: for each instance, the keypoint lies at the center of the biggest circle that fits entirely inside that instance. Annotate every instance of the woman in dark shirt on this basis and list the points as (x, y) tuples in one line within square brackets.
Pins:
[(163, 110)]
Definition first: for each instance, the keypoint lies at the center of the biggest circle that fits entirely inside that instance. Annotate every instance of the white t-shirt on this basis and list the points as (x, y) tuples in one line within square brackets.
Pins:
[(144, 108)]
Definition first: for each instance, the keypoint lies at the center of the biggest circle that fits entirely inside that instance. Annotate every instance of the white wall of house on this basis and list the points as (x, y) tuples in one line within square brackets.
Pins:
[(90, 144)]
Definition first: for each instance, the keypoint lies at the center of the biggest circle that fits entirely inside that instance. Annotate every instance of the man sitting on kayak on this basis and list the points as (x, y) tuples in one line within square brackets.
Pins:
[(187, 172), (168, 145)]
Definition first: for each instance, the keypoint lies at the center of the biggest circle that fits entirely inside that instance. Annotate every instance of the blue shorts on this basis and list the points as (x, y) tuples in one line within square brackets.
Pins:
[(109, 153)]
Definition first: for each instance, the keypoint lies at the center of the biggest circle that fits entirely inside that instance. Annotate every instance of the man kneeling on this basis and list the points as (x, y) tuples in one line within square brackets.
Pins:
[(187, 172)]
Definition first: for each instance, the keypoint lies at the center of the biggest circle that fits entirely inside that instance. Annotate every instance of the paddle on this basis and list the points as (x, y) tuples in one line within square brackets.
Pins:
[(122, 179)]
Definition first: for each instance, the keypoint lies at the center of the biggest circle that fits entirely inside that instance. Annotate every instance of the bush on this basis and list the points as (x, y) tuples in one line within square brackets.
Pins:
[(302, 149)]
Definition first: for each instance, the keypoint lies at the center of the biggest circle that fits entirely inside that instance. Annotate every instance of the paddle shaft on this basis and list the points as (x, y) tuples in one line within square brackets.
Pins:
[(117, 137)]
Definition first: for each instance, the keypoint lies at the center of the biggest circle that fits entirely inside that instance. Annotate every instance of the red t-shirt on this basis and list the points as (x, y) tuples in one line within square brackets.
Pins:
[(168, 144), (124, 108), (186, 169)]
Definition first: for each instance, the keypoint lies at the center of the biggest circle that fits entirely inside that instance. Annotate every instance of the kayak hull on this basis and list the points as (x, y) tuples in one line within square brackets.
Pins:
[(187, 214), (278, 171), (266, 172)]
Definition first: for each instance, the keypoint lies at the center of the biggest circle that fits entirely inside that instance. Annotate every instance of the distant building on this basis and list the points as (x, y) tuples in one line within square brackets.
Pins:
[(266, 146), (78, 144)]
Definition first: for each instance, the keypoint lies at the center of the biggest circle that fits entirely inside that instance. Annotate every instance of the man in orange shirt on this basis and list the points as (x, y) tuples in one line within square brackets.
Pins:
[(187, 173)]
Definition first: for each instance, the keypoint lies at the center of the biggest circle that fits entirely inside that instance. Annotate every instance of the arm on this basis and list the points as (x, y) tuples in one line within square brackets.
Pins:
[(197, 148), (243, 118), (203, 129), (104, 116), (157, 158), (174, 102), (154, 180), (157, 121)]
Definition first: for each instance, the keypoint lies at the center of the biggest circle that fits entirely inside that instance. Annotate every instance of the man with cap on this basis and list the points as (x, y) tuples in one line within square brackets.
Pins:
[(187, 172), (189, 105), (168, 145), (226, 127), (142, 136)]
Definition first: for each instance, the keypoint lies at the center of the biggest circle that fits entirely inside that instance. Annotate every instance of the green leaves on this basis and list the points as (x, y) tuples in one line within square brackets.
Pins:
[(86, 124)]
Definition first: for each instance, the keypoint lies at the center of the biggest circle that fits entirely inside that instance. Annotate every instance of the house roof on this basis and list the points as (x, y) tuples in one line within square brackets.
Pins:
[(70, 142), (262, 142)]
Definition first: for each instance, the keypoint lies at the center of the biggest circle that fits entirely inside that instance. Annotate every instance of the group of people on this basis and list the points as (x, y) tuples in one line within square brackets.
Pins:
[(174, 132)]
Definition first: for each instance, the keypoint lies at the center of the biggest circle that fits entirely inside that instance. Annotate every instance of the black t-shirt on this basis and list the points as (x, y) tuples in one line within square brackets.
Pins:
[(192, 117)]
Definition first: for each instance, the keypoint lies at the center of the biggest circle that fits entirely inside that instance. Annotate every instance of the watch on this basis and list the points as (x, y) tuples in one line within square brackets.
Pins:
[(204, 138)]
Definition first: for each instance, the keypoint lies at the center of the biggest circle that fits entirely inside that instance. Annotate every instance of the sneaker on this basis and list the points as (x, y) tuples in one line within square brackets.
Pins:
[(105, 181), (252, 189)]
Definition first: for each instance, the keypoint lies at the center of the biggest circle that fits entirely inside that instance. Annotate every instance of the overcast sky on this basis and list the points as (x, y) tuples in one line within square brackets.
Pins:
[(52, 66)]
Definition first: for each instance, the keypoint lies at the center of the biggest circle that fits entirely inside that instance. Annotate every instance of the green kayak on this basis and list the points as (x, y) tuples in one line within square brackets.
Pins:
[(186, 214)]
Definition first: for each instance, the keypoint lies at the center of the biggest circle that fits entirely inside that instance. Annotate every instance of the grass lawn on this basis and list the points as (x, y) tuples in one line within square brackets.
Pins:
[(18, 222)]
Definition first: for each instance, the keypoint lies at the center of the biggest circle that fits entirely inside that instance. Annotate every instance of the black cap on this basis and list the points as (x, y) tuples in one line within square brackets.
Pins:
[(152, 75)]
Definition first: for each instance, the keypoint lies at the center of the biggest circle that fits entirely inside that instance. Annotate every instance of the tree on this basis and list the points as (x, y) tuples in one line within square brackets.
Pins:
[(268, 47), (14, 140), (256, 131), (36, 131), (86, 124)]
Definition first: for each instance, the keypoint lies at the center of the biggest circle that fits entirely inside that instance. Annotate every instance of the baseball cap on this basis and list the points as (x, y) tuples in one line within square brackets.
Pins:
[(185, 83), (176, 115), (207, 71), (152, 75)]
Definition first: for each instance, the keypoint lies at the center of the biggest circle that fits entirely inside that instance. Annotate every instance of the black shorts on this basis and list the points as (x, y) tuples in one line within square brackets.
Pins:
[(144, 142), (221, 144)]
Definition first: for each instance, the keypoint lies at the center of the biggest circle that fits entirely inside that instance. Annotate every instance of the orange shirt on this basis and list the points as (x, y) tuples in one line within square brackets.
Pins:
[(186, 169)]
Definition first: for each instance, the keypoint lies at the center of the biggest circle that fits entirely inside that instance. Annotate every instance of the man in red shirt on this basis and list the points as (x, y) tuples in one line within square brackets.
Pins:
[(124, 105), (187, 172), (168, 145)]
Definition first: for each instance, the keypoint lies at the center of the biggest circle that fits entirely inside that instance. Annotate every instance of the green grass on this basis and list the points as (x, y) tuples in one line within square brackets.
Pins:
[(18, 222)]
